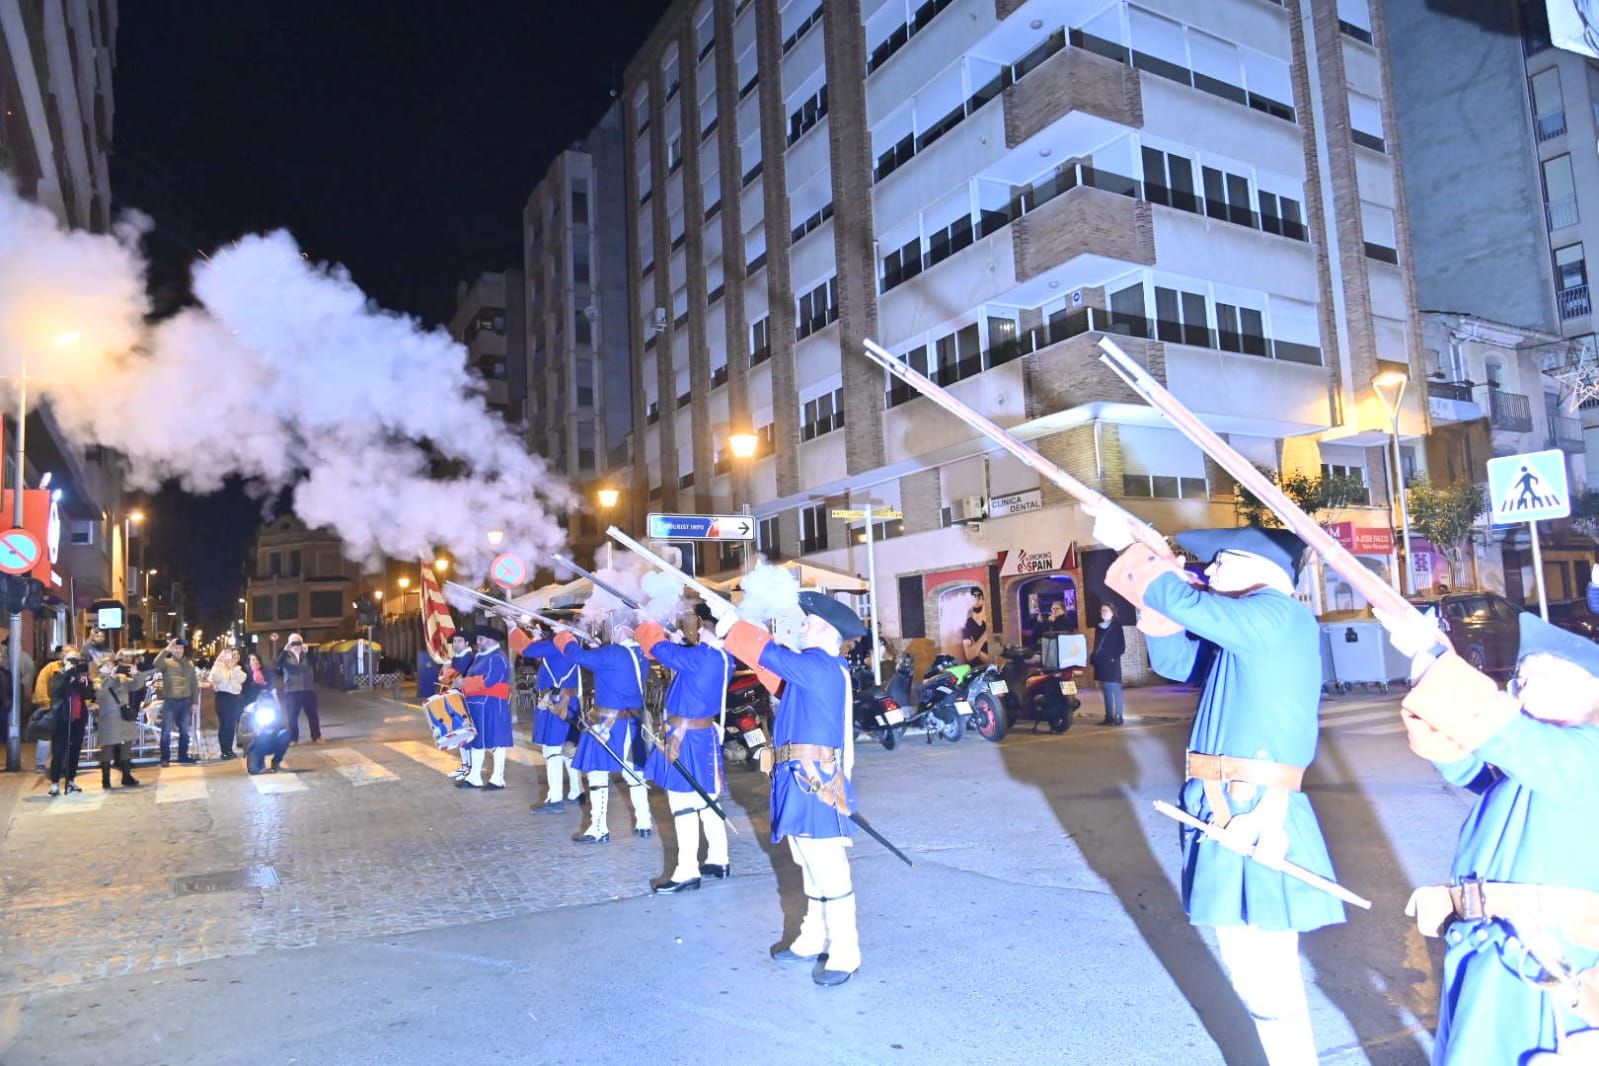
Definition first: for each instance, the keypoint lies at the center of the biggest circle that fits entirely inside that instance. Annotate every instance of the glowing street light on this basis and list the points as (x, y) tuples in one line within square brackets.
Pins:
[(495, 536), (135, 517), (441, 565), (743, 445), (405, 583), (608, 498)]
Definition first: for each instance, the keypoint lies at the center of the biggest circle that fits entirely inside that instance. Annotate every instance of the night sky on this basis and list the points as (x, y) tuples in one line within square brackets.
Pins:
[(398, 138)]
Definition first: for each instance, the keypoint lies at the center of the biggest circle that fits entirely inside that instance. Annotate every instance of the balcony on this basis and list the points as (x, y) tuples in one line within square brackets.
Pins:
[(1562, 212), (1509, 411), (1550, 126), (1084, 221), (1573, 303), (1071, 80), (1566, 434), (1450, 401)]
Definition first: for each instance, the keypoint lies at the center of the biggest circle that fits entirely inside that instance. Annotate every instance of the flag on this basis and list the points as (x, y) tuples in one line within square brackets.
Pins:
[(437, 623)]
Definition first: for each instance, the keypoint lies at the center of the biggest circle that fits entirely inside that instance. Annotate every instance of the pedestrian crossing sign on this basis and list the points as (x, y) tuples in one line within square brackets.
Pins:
[(1529, 487)]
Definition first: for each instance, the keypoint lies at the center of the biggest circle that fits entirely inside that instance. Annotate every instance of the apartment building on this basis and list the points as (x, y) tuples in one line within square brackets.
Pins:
[(986, 187), (489, 320), (298, 581), (580, 404)]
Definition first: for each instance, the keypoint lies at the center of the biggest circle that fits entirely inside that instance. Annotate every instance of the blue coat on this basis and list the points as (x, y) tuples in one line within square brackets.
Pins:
[(491, 712), (812, 708), (1537, 787), (619, 671), (1260, 701), (698, 690), (557, 670)]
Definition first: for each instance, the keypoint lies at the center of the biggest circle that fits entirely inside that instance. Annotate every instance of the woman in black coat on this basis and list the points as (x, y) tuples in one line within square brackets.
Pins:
[(1110, 644)]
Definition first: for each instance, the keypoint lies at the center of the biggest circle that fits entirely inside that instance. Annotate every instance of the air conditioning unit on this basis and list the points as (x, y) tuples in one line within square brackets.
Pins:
[(660, 318), (970, 509)]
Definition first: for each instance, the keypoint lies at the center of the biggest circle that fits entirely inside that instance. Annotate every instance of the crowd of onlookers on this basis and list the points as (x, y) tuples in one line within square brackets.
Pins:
[(125, 691)]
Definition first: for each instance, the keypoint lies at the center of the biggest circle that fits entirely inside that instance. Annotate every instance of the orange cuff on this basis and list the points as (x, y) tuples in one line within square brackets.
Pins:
[(519, 641), (649, 634), (1460, 702), (746, 642), (473, 686), (1135, 570), (564, 640), (1152, 623)]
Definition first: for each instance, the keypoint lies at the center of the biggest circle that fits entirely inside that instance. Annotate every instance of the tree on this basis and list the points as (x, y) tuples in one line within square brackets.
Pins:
[(1313, 494), (1585, 515), (1445, 516)]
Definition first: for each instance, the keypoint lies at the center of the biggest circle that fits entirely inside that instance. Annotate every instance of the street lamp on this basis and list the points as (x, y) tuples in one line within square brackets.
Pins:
[(495, 536), (129, 520), (1396, 380), (870, 514), (608, 498), (441, 565), (743, 445)]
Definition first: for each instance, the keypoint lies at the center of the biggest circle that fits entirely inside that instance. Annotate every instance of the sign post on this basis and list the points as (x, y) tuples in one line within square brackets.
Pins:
[(871, 572), (1530, 488), (699, 527)]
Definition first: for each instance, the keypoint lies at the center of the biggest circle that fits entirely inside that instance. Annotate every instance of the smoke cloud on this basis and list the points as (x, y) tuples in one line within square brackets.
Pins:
[(770, 592), (287, 375)]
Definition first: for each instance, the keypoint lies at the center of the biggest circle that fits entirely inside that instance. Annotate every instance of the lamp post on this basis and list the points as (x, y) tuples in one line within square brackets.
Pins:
[(129, 520), (1396, 380), (744, 445), (871, 514)]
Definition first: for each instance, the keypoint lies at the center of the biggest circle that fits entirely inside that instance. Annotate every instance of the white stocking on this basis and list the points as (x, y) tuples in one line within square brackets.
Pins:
[(501, 757), (639, 796), (829, 866), (574, 780), (475, 776), (812, 938), (715, 835), (1265, 972), (599, 803), (554, 769), (686, 819)]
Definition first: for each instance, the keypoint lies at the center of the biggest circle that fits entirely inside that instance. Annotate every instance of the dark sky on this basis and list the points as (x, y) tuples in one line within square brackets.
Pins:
[(398, 137)]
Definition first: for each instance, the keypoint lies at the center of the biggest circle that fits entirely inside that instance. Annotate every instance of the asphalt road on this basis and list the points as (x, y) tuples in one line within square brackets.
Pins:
[(363, 911)]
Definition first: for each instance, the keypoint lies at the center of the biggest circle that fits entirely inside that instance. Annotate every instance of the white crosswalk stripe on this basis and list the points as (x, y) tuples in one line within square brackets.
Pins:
[(270, 784), (78, 803), (1340, 720), (181, 784), (426, 754), (357, 768)]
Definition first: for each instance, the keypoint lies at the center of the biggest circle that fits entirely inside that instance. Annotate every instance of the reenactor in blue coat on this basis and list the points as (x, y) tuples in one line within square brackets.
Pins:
[(813, 755), (1520, 916), (1254, 734), (460, 662), (618, 668), (487, 688), (696, 706), (557, 684)]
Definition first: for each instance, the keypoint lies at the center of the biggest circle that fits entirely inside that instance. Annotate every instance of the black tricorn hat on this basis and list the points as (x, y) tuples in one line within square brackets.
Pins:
[(835, 614), (492, 632)]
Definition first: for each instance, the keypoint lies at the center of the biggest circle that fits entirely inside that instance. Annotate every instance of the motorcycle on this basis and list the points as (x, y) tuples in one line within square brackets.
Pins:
[(1044, 696), (941, 706), (877, 713), (265, 733), (985, 693), (748, 712)]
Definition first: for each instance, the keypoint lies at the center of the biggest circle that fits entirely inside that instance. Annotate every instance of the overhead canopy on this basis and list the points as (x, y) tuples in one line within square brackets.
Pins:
[(571, 594), (810, 576)]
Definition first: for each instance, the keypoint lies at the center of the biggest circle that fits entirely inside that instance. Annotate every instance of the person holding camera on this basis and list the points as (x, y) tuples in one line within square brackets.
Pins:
[(228, 680), (114, 722), (299, 688), (180, 687), (70, 691)]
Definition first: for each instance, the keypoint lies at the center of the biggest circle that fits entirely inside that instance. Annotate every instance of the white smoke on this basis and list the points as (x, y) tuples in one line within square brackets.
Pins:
[(287, 376), (769, 592), (663, 596), (602, 605)]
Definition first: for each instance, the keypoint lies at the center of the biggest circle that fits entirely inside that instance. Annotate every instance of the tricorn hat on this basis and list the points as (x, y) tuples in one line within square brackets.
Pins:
[(488, 631), (1279, 545), (702, 611), (835, 614)]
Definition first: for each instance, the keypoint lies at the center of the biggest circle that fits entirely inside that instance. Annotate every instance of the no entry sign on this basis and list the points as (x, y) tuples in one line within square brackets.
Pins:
[(19, 551), (508, 571)]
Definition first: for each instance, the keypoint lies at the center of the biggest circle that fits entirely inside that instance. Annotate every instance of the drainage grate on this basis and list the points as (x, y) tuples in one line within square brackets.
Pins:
[(225, 881)]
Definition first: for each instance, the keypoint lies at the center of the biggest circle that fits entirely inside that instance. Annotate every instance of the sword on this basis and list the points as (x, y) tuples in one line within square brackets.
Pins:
[(598, 582), (630, 774), (677, 764), (1232, 843), (860, 820)]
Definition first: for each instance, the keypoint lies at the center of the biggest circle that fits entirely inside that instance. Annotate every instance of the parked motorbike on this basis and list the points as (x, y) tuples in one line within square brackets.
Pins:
[(876, 712), (941, 706), (1045, 697), (748, 715), (986, 692)]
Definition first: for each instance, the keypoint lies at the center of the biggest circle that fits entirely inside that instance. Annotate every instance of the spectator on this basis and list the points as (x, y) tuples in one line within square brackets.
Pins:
[(227, 681), (70, 690), (180, 687), (299, 689), (1110, 644), (255, 681), (41, 698), (114, 722)]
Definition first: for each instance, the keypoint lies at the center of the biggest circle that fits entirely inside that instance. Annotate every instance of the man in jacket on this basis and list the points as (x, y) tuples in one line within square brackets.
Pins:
[(487, 688), (299, 689), (180, 688), (70, 692), (1110, 644)]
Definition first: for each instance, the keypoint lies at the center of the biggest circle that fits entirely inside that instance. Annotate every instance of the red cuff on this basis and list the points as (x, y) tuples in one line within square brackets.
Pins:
[(473, 686), (649, 634), (746, 641), (564, 640)]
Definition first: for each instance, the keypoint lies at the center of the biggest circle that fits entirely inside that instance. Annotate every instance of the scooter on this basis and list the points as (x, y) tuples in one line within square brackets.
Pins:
[(1036, 694), (986, 692), (748, 712), (266, 734), (941, 707), (876, 712)]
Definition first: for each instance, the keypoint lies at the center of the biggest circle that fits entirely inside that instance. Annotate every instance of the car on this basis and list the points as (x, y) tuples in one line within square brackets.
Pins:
[(1575, 616), (1483, 627)]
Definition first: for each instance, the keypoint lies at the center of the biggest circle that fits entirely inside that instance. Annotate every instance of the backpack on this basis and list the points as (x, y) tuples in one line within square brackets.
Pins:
[(42, 724)]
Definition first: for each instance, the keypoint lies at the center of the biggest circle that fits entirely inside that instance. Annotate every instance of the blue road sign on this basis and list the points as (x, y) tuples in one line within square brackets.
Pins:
[(700, 527), (1529, 487)]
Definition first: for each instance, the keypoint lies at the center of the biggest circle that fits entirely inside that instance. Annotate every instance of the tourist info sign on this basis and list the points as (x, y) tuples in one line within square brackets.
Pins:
[(1529, 488), (701, 527)]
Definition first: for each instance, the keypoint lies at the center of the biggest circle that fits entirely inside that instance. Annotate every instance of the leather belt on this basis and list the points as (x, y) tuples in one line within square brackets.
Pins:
[(1217, 772), (1570, 912), (674, 721), (816, 753)]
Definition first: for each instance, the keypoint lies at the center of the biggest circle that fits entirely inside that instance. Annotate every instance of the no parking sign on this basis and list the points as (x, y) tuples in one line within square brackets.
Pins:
[(508, 571)]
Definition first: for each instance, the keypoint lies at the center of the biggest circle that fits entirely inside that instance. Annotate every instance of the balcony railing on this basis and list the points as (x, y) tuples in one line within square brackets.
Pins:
[(1550, 126), (1509, 411), (1573, 303), (1562, 212), (1565, 433), (1458, 391)]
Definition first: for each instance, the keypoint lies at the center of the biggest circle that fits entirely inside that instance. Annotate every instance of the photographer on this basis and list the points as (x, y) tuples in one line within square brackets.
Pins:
[(70, 690), (114, 722), (180, 688)]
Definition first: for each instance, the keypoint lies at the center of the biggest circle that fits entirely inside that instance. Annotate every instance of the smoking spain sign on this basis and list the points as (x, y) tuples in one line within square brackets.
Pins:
[(508, 571), (1529, 487)]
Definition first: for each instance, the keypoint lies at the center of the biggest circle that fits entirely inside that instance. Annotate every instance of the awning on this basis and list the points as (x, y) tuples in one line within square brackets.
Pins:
[(810, 576), (570, 594)]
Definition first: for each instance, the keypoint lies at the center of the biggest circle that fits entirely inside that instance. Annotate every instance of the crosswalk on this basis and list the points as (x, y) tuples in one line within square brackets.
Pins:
[(1367, 723)]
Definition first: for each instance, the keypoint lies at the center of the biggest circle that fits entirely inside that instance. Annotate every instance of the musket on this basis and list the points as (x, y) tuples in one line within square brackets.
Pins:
[(1233, 843), (517, 615), (630, 774), (1096, 502), (677, 764), (1377, 591), (598, 582), (708, 594)]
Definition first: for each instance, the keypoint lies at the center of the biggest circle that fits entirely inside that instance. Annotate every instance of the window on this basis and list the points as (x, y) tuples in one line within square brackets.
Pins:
[(1127, 315), (1282, 215), (641, 111), (1240, 329), (670, 74), (275, 565), (817, 309), (761, 341), (705, 29), (813, 529), (807, 115), (580, 200), (1164, 487), (644, 186), (822, 415), (580, 262), (958, 356), (1354, 19), (767, 540), (802, 27), (1180, 317), (1377, 224), (902, 264), (1169, 180), (887, 33), (1560, 192), (261, 609), (294, 564), (1227, 197), (1570, 270), (1548, 104), (1365, 122), (327, 604), (288, 606), (1534, 19), (582, 329)]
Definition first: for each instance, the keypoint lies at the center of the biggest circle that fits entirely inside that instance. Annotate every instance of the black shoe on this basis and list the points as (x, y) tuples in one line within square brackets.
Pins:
[(72, 786), (1109, 721), (491, 785), (165, 763), (547, 808), (464, 783), (129, 781), (828, 978), (225, 756), (715, 871), (105, 783), (785, 955), (667, 888), (646, 833), (584, 838), (275, 767), (188, 759)]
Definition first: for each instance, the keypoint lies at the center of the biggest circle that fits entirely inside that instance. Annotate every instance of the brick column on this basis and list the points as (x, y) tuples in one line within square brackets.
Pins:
[(699, 367), (735, 315)]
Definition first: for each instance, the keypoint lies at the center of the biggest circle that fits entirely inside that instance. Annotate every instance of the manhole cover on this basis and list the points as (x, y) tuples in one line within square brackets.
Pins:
[(226, 881)]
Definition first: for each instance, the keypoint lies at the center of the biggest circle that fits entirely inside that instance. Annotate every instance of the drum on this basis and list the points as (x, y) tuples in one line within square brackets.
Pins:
[(451, 724)]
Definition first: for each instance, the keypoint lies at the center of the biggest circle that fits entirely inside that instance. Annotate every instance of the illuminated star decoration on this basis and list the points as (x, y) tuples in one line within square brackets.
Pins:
[(1580, 378)]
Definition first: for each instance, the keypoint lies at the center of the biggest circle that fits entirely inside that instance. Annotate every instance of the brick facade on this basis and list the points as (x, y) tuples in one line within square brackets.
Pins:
[(1072, 80)]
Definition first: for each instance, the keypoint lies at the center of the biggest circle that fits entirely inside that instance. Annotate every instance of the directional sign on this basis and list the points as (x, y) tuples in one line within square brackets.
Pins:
[(700, 527), (19, 551), (508, 571), (1529, 487)]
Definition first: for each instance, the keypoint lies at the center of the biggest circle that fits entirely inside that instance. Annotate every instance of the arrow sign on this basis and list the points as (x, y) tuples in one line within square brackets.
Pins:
[(508, 571), (20, 551), (700, 527)]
